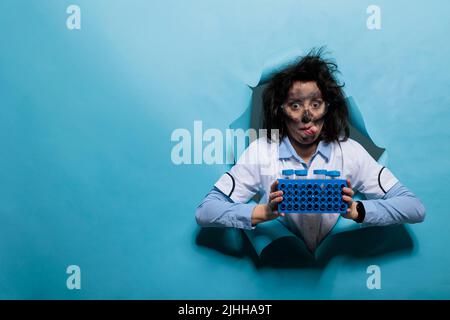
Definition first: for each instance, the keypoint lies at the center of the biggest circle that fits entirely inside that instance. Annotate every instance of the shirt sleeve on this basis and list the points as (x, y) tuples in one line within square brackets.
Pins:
[(369, 177), (243, 180), (398, 205), (218, 210)]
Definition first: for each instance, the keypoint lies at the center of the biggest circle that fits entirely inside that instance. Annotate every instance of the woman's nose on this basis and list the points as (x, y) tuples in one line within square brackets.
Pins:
[(306, 117)]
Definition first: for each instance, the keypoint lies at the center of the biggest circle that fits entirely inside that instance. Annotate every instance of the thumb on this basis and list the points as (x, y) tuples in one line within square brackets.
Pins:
[(274, 185), (349, 183)]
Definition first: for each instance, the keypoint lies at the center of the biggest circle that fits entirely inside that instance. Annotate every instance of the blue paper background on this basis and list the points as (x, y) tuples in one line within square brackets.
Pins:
[(86, 118)]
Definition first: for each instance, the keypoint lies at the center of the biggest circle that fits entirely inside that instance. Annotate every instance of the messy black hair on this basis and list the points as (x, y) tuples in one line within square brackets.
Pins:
[(311, 67)]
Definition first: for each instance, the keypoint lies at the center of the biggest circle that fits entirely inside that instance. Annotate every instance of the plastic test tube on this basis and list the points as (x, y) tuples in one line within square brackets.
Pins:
[(301, 174), (287, 174), (322, 172), (333, 174)]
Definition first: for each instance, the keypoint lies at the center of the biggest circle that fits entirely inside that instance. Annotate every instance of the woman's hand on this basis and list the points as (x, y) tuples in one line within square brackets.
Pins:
[(352, 213), (269, 211)]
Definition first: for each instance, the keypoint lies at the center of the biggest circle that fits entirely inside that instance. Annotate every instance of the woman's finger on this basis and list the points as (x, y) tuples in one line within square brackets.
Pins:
[(276, 200), (274, 185), (348, 191), (347, 198), (275, 194), (273, 204), (349, 183)]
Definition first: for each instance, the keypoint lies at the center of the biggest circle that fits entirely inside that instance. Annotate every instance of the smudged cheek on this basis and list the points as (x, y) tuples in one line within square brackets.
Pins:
[(292, 125)]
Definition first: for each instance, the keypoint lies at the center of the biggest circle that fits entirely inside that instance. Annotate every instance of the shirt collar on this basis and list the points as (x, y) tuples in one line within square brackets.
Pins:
[(286, 150)]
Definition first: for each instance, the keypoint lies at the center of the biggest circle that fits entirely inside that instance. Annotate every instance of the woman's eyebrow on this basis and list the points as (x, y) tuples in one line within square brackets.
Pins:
[(313, 95)]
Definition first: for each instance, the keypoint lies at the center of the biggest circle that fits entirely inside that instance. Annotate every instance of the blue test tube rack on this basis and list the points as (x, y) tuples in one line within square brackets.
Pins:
[(313, 195)]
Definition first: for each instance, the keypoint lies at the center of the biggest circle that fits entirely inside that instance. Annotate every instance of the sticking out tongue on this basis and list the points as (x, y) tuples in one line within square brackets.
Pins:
[(310, 131)]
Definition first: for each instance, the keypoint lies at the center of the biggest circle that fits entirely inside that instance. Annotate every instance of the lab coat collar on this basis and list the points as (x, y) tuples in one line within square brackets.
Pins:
[(286, 150)]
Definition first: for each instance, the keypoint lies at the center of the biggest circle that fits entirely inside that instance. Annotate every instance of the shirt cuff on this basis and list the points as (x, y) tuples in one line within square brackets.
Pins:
[(243, 217), (371, 212)]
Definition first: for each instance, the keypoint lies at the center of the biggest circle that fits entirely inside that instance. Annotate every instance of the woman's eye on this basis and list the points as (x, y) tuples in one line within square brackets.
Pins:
[(316, 104), (295, 106)]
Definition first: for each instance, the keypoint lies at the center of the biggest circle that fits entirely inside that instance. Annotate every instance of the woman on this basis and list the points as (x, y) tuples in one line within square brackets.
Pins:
[(305, 106)]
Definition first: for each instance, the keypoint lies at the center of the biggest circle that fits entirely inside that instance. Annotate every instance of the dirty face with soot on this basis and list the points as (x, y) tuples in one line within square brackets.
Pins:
[(304, 111)]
